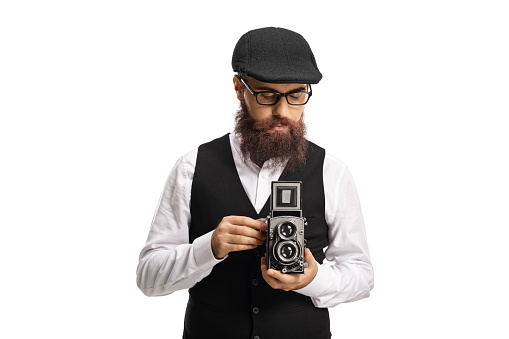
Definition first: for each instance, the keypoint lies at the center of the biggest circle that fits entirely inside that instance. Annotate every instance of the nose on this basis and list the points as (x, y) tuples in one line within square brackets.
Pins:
[(282, 108)]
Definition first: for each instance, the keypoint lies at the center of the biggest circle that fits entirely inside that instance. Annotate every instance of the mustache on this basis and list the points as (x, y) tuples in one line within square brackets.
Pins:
[(272, 122)]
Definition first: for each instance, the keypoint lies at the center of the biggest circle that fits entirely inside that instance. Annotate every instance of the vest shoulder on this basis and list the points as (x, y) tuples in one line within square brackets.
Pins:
[(216, 142), (215, 151), (314, 147)]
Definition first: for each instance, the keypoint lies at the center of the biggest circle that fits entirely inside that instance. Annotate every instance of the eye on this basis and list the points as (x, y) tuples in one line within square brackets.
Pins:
[(267, 95), (296, 95)]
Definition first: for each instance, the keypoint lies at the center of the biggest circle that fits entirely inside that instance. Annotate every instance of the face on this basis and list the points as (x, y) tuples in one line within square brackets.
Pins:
[(274, 132), (260, 112)]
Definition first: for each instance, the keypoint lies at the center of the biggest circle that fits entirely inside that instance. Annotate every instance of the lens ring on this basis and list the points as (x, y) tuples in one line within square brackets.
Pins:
[(286, 230), (287, 251)]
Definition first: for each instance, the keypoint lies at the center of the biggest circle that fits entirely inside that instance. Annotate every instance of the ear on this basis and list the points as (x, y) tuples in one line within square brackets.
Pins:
[(237, 85)]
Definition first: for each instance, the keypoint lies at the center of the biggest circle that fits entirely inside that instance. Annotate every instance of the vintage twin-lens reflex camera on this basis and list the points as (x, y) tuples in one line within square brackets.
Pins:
[(285, 228)]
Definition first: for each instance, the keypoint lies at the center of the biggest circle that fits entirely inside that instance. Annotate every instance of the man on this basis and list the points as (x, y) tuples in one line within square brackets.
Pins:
[(207, 234)]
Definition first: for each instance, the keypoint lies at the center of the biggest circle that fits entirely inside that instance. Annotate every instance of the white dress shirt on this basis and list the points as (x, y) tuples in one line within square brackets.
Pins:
[(168, 262)]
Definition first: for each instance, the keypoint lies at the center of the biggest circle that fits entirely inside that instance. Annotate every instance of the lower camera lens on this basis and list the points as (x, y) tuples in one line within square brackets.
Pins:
[(287, 251)]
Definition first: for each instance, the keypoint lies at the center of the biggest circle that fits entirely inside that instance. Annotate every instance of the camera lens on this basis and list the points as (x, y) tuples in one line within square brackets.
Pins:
[(287, 251), (287, 230)]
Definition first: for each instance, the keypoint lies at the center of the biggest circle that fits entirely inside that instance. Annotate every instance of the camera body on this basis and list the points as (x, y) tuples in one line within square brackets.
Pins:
[(285, 228)]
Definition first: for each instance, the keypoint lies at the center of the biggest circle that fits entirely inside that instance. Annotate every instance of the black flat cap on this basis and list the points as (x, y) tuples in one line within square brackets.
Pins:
[(275, 55)]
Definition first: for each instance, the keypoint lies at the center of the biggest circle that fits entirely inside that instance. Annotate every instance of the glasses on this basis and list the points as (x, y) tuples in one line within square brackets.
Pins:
[(267, 98)]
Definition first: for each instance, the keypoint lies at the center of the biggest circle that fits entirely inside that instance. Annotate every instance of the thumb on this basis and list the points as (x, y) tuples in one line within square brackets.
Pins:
[(308, 255), (310, 259)]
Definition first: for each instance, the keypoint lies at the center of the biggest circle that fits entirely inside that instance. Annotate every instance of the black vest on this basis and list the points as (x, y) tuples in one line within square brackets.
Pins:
[(234, 301)]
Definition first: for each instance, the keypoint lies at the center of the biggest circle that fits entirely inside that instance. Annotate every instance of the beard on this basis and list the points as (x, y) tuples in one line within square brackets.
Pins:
[(260, 143)]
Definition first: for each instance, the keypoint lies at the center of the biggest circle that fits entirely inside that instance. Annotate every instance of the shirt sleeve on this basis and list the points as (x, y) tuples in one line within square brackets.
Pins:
[(347, 273), (168, 262)]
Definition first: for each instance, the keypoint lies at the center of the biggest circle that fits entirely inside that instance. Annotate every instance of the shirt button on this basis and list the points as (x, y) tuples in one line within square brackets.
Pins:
[(255, 282), (256, 310), (256, 337)]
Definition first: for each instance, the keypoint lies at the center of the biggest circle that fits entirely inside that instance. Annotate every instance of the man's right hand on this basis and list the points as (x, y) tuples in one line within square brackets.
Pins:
[(236, 233)]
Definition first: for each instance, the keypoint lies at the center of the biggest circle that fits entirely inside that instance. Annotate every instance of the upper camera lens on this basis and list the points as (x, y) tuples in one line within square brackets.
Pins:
[(287, 229)]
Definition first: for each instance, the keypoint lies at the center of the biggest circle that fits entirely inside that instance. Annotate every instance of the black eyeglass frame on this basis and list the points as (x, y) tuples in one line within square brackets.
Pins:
[(279, 95)]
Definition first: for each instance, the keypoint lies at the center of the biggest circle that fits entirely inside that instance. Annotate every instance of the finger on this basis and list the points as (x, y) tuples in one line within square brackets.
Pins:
[(237, 248), (284, 278), (271, 281), (264, 220), (234, 239), (246, 221), (309, 258), (247, 232)]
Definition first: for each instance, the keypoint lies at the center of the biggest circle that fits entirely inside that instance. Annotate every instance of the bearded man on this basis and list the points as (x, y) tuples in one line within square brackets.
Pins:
[(208, 232)]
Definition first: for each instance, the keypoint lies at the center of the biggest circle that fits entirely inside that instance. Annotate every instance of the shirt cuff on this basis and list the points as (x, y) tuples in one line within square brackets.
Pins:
[(318, 285), (202, 252)]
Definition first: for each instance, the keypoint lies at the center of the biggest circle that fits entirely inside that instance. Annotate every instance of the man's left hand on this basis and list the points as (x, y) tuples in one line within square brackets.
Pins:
[(289, 282)]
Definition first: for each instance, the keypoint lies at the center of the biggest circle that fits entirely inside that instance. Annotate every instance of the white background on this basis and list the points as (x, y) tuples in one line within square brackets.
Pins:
[(98, 99)]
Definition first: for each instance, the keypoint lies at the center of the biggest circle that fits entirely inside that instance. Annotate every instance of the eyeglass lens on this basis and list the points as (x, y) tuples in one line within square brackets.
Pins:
[(269, 98)]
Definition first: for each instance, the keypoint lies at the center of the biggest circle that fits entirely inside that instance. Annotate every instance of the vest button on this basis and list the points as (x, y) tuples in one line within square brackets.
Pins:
[(256, 310), (255, 282)]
